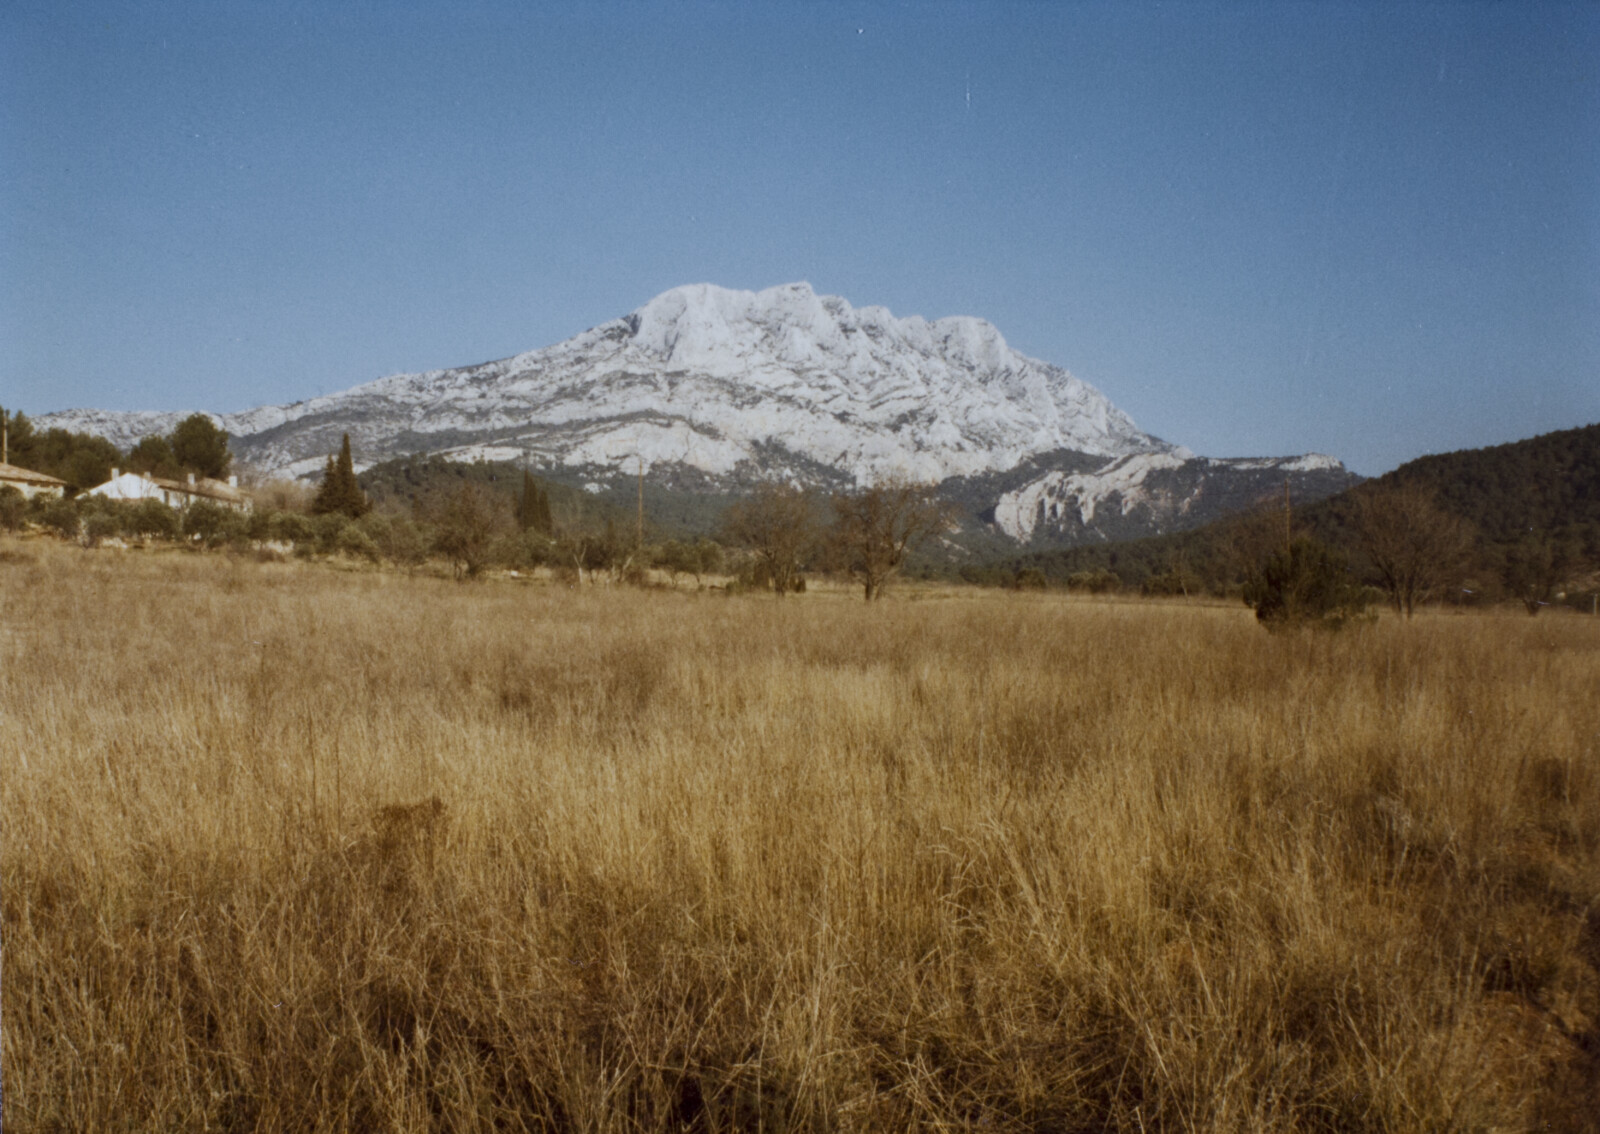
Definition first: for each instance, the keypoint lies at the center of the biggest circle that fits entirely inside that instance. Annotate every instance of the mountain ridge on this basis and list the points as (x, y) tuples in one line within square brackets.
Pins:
[(722, 388)]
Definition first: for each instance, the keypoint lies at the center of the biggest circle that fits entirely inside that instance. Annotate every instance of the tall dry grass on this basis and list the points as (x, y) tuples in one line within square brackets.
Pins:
[(289, 849)]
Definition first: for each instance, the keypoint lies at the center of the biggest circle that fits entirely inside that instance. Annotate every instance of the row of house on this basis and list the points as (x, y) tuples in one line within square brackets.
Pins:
[(134, 486)]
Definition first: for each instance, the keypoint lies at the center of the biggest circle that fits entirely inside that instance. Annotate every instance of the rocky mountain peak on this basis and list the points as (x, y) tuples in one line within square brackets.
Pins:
[(719, 387)]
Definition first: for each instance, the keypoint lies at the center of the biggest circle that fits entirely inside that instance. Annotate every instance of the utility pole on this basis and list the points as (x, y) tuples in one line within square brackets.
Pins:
[(641, 500)]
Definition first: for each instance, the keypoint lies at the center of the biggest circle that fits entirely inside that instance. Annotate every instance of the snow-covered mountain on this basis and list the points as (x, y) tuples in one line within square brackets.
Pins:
[(715, 388)]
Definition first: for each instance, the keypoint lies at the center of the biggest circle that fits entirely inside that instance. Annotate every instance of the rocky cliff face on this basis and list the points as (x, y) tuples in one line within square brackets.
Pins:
[(1149, 493)]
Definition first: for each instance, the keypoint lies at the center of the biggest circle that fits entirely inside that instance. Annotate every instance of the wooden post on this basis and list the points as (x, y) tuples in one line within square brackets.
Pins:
[(641, 500)]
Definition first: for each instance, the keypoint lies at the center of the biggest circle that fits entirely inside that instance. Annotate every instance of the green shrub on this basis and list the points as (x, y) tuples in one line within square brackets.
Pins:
[(707, 559), (13, 508), (1169, 583), (101, 524), (1094, 582), (405, 543), (986, 576), (326, 530), (152, 519), (60, 516), (673, 557), (213, 525), (258, 524), (1031, 579), (357, 544), (1306, 585), (291, 527), (523, 549)]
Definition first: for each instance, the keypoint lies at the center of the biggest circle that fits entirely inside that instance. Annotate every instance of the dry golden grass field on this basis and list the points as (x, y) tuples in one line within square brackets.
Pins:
[(293, 848)]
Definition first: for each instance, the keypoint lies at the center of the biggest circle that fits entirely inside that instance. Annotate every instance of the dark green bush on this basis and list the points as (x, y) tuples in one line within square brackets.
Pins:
[(291, 527), (13, 508), (1308, 584), (213, 525), (60, 516), (101, 524), (357, 544), (326, 530), (523, 550), (152, 519), (1169, 583), (1094, 582), (1031, 579), (404, 543)]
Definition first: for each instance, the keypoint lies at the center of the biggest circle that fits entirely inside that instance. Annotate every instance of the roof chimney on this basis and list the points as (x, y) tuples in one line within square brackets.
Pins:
[(114, 472), (191, 480), (233, 480)]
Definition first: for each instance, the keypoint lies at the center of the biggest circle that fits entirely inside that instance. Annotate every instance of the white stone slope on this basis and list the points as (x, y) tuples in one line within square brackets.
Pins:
[(1059, 498), (709, 378)]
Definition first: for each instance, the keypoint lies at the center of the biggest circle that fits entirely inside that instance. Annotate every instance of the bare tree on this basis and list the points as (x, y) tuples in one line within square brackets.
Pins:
[(873, 529), (1414, 545), (779, 524)]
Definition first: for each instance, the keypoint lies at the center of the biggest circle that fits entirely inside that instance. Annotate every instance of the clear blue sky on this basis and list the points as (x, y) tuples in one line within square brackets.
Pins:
[(1369, 230)]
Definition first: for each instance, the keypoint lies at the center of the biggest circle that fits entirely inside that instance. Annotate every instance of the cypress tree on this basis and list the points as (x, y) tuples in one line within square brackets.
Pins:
[(340, 491), (323, 502), (533, 507), (528, 502)]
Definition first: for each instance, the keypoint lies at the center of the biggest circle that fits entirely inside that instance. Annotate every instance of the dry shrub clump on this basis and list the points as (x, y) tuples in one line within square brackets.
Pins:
[(291, 849)]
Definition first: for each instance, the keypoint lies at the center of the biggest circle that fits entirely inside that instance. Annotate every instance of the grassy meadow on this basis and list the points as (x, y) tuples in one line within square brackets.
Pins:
[(293, 848)]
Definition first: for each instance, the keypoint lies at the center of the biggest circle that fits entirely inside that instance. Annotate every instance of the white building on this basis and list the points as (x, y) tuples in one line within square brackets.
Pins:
[(173, 493), (31, 483)]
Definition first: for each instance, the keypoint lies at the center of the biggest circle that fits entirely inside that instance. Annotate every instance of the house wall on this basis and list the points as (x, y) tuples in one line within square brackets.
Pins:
[(133, 486), (30, 490)]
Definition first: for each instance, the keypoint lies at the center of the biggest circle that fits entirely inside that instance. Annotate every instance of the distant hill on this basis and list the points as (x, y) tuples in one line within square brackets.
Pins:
[(1546, 486), (1545, 483)]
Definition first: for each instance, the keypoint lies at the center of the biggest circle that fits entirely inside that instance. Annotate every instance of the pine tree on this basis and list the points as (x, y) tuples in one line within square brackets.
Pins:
[(340, 491)]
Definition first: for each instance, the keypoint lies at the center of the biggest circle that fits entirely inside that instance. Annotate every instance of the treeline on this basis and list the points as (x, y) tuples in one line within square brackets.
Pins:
[(481, 515), (470, 528), (84, 460), (488, 514), (1517, 522)]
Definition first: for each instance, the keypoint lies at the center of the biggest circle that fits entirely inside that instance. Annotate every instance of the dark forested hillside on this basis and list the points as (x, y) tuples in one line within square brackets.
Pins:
[(1528, 502), (1546, 483)]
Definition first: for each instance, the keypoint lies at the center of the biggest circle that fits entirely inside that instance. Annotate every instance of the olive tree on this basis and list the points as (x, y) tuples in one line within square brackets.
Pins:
[(466, 523)]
